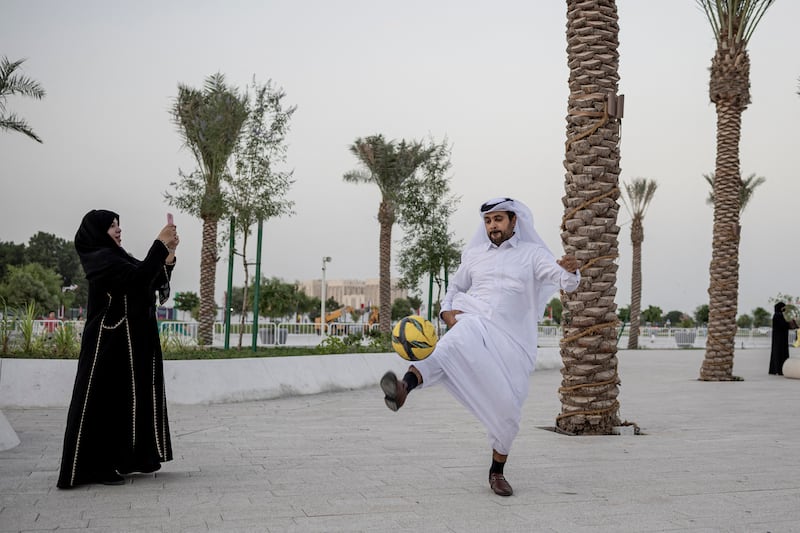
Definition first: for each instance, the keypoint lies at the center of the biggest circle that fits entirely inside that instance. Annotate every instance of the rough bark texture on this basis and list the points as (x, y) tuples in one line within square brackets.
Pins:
[(208, 273), (730, 92), (590, 383), (637, 236), (386, 220)]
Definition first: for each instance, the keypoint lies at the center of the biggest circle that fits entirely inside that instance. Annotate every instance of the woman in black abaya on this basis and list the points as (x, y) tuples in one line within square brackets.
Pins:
[(780, 339), (117, 420)]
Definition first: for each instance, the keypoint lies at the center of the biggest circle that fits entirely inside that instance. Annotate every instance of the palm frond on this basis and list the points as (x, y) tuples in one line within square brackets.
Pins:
[(11, 83), (747, 187), (734, 19), (13, 123), (640, 192)]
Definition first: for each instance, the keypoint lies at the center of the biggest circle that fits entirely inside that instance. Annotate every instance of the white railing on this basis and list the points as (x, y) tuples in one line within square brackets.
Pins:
[(308, 334), (662, 338)]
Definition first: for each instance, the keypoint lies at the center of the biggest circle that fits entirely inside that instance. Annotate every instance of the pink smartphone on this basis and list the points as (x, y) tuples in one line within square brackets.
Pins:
[(169, 219)]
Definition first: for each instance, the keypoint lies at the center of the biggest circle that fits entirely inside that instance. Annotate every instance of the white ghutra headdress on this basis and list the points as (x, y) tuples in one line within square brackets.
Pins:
[(526, 232)]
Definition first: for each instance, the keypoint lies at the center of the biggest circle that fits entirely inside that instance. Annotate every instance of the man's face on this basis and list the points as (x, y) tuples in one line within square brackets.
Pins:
[(499, 227)]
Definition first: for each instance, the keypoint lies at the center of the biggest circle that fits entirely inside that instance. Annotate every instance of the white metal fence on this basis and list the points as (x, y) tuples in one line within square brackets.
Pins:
[(308, 334)]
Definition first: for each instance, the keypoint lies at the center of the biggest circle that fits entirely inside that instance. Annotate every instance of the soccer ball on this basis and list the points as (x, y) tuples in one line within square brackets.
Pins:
[(414, 338)]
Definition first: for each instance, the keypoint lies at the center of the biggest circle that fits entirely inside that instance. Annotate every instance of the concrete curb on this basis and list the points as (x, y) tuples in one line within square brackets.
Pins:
[(48, 382)]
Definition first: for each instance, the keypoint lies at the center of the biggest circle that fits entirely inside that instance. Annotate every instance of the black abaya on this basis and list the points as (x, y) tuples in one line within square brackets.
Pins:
[(117, 419), (780, 341)]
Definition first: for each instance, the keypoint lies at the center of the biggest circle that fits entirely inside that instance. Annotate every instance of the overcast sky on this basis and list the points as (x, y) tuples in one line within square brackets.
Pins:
[(489, 76)]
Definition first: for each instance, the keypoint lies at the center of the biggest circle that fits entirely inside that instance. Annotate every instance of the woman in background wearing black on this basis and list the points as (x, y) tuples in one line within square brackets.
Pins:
[(780, 339), (117, 421)]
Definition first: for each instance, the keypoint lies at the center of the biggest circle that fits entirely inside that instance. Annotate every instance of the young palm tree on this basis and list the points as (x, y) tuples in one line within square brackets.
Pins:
[(388, 165), (590, 384), (640, 192), (733, 23), (210, 121), (746, 189), (12, 83)]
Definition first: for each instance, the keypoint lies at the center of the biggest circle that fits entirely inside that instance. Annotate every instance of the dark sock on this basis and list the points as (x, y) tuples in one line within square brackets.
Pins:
[(497, 468), (411, 380)]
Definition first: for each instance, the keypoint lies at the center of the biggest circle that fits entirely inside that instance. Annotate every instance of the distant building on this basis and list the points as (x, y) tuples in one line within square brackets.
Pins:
[(356, 293)]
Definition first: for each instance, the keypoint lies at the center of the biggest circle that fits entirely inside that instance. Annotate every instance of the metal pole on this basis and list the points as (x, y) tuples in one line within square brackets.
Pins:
[(229, 296), (322, 322), (430, 296), (257, 290)]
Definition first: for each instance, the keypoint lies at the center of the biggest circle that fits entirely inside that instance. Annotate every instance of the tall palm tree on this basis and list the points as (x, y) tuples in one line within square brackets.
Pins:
[(590, 384), (746, 189), (733, 23), (12, 83), (640, 192), (210, 121), (387, 164)]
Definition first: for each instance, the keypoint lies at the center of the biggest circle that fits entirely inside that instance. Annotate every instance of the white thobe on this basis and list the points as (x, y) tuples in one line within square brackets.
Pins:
[(485, 360)]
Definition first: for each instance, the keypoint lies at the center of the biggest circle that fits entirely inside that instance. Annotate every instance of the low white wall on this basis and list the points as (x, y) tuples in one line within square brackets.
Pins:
[(48, 382)]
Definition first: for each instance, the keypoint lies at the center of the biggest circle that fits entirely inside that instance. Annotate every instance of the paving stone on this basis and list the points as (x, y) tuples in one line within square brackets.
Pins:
[(712, 457)]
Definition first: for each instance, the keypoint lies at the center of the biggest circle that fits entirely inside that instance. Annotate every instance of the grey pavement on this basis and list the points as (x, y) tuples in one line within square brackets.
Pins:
[(713, 457)]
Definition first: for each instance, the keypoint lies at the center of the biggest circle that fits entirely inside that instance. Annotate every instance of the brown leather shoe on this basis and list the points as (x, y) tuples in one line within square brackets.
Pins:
[(499, 485), (395, 390)]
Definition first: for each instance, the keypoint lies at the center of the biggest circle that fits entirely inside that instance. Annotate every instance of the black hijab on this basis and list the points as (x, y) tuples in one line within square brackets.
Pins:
[(98, 251), (779, 307), (93, 234)]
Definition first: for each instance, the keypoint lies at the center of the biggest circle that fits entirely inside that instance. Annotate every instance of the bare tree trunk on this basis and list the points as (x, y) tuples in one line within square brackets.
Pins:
[(386, 221), (636, 284), (590, 384), (208, 273), (723, 290)]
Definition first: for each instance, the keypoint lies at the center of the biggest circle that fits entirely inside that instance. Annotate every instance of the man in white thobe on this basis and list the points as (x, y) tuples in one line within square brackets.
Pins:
[(491, 308)]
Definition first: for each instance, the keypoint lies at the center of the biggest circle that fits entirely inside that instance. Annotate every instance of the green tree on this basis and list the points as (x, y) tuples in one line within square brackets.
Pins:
[(278, 299), (746, 188), (209, 121), (415, 302), (14, 83), (590, 382), (187, 301), (744, 321), (60, 255), (701, 315), (652, 315), (674, 317), (401, 307), (31, 283), (429, 248), (555, 307), (11, 254), (257, 187), (314, 305), (732, 23), (624, 314), (761, 318), (56, 253), (639, 193), (389, 165), (305, 304)]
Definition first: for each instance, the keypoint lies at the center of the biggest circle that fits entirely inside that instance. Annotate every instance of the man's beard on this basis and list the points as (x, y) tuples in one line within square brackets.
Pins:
[(498, 237)]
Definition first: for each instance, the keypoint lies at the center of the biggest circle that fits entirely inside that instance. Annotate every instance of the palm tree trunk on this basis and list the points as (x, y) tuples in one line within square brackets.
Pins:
[(208, 273), (386, 221), (590, 384), (636, 284), (723, 290)]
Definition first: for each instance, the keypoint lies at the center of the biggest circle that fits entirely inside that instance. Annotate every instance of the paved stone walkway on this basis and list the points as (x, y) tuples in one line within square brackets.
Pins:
[(713, 457)]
